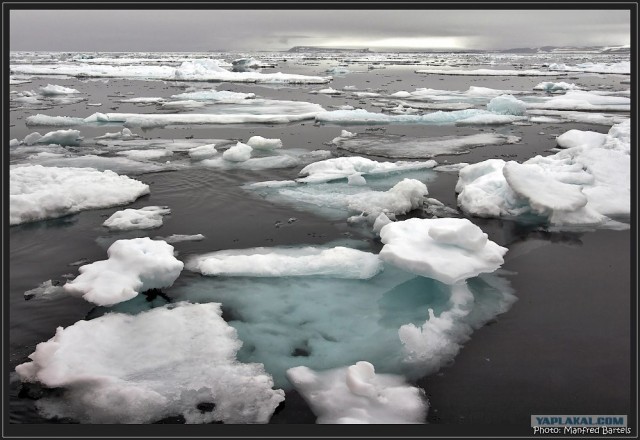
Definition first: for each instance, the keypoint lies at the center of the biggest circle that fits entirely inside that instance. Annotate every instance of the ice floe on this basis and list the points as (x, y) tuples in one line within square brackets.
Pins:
[(238, 153), (361, 116), (582, 185), (552, 87), (52, 90), (203, 152), (489, 72), (169, 361), (177, 238), (37, 192), (336, 262), (148, 217), (449, 250), (59, 137), (581, 100), (621, 68), (261, 143), (133, 266), (356, 394)]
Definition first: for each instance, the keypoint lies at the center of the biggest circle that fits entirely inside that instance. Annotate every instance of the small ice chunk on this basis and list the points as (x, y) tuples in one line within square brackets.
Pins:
[(133, 266), (549, 86), (176, 238), (160, 363), (356, 179), (203, 152), (507, 105), (455, 251), (575, 138), (59, 137), (329, 91), (52, 90), (148, 217), (145, 154), (337, 262), (238, 153), (260, 143), (381, 220), (356, 394)]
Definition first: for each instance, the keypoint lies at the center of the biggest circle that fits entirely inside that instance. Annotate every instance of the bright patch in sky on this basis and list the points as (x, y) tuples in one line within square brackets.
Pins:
[(400, 42)]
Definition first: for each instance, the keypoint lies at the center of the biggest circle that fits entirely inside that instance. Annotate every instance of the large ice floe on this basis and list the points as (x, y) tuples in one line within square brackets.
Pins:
[(337, 262), (171, 361), (37, 192), (133, 266), (192, 70), (586, 184), (621, 68), (356, 394), (449, 250), (581, 100), (468, 116), (401, 147), (489, 72)]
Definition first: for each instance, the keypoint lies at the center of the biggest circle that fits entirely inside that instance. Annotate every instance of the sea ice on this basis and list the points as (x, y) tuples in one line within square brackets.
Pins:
[(507, 105), (490, 72), (59, 137), (551, 87), (53, 90), (37, 192), (145, 154), (336, 262), (164, 362), (361, 116), (203, 152), (218, 96), (148, 217), (356, 394), (261, 143), (446, 249), (133, 266), (177, 238), (238, 153)]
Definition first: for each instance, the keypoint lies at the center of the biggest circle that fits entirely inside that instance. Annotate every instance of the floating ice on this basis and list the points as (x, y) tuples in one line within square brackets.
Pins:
[(341, 167), (160, 363), (579, 186), (203, 152), (336, 262), (37, 192), (238, 153), (261, 143), (14, 143), (121, 165), (490, 72), (583, 101), (52, 90), (46, 290), (329, 91), (148, 217), (177, 238), (356, 179), (338, 70), (145, 154), (59, 137), (395, 146), (447, 249), (622, 68), (222, 96), (578, 116), (134, 266), (555, 86), (124, 134), (361, 116), (356, 394), (143, 100), (507, 105), (191, 70)]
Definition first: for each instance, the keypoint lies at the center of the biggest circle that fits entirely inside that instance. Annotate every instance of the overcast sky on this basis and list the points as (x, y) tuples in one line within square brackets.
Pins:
[(238, 30)]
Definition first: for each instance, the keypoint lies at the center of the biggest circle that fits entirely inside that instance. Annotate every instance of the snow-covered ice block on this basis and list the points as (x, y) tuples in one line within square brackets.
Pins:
[(549, 86), (582, 100), (575, 138), (447, 249), (148, 217), (203, 152), (52, 90), (356, 394), (59, 137), (160, 363), (37, 192), (507, 105), (261, 143), (341, 167), (337, 262), (133, 266), (177, 238), (238, 153)]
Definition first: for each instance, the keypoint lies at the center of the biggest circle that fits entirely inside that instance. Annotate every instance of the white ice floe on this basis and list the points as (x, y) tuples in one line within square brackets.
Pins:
[(238, 153), (192, 70), (395, 146), (145, 154), (218, 96), (46, 290), (144, 100), (59, 137), (177, 238), (583, 185), (338, 70), (52, 90), (361, 116), (551, 87), (342, 167), (446, 249), (329, 91), (577, 116), (622, 67), (472, 93), (148, 217), (336, 262), (133, 266), (581, 100), (124, 134), (164, 119), (37, 192), (490, 72), (203, 152), (356, 394), (169, 361), (261, 143)]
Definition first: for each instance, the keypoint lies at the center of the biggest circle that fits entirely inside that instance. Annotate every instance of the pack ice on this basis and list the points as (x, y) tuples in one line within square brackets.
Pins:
[(164, 362), (148, 217), (133, 266), (583, 185), (356, 394), (37, 192)]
